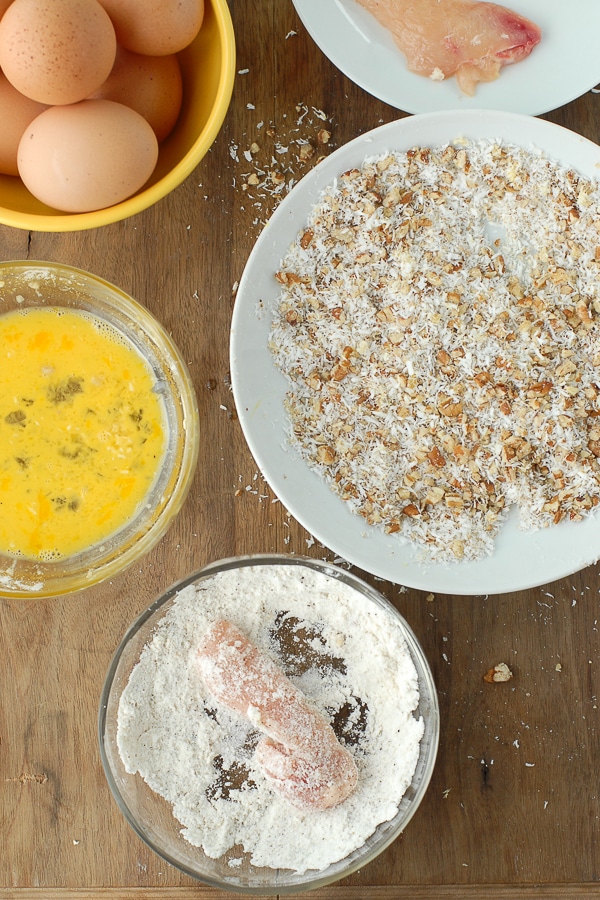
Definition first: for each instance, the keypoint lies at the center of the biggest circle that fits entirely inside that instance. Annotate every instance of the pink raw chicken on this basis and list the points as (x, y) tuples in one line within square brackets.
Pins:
[(300, 752), (469, 39)]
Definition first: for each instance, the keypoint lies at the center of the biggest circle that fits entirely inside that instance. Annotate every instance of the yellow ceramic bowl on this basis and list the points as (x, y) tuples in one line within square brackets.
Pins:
[(208, 70), (27, 284)]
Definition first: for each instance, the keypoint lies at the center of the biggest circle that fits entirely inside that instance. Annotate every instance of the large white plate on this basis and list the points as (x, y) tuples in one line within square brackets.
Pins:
[(564, 65), (522, 559)]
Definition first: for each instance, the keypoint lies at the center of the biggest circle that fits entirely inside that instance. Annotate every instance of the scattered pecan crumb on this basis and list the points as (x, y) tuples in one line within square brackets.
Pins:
[(501, 672), (280, 154), (306, 151)]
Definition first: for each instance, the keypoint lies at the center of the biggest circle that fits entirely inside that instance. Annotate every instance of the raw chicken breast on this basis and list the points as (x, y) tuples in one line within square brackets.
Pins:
[(299, 753), (466, 38)]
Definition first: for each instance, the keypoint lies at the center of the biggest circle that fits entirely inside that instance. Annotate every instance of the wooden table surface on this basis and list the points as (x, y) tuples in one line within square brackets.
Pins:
[(513, 807)]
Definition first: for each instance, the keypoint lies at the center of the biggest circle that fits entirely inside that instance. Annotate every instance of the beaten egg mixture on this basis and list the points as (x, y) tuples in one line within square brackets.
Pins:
[(82, 432)]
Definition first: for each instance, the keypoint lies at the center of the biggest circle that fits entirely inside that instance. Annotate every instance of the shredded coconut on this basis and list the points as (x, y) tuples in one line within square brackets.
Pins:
[(349, 658), (438, 325)]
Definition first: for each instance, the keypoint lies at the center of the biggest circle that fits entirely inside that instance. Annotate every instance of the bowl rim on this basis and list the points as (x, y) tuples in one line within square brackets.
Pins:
[(156, 336), (147, 197), (425, 677)]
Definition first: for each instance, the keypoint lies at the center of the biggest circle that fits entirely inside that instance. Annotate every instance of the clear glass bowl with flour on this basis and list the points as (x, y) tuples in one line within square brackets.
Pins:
[(211, 812)]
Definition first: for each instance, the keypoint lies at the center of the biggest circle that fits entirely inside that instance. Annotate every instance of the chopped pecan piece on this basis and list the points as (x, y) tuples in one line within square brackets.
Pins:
[(498, 673)]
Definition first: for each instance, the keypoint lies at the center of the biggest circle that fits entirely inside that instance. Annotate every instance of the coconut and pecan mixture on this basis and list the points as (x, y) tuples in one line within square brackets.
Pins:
[(438, 324)]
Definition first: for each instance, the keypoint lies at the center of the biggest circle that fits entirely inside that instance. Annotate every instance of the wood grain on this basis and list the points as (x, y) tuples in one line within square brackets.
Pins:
[(373, 892), (513, 807)]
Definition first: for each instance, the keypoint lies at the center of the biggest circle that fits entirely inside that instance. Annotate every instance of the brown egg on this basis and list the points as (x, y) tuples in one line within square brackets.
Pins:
[(16, 112), (56, 51), (88, 155), (155, 27), (4, 4), (149, 84)]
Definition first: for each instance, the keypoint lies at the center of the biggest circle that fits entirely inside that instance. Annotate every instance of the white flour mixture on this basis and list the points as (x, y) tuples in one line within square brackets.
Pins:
[(350, 659)]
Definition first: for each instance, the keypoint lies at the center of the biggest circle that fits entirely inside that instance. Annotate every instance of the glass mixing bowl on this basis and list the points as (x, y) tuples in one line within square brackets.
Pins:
[(152, 817), (25, 284)]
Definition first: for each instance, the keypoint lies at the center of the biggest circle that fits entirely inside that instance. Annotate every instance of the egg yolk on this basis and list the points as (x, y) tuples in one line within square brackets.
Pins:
[(82, 432)]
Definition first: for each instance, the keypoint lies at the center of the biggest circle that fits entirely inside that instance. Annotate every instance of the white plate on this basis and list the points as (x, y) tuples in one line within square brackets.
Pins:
[(522, 559), (564, 65)]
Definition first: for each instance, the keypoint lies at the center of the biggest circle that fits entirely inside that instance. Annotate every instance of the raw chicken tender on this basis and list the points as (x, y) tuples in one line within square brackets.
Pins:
[(300, 752), (469, 39)]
